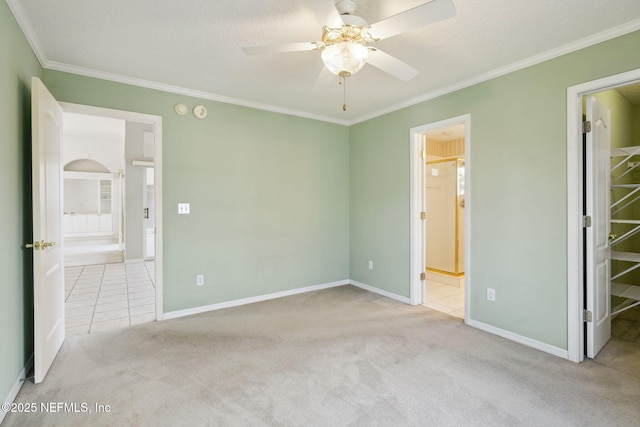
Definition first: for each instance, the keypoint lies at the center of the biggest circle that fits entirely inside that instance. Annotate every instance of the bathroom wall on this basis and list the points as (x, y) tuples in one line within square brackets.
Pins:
[(445, 210), (444, 220)]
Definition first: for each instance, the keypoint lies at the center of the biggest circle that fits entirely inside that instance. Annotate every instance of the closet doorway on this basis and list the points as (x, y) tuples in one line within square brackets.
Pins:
[(603, 194), (439, 233)]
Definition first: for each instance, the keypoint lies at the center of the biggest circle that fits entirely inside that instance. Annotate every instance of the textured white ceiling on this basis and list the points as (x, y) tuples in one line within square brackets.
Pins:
[(194, 46)]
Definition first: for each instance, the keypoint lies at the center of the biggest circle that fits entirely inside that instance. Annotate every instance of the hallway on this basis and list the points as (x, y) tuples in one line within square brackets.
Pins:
[(109, 296)]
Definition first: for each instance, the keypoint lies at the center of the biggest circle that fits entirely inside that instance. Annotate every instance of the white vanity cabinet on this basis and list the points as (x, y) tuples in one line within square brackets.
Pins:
[(77, 225)]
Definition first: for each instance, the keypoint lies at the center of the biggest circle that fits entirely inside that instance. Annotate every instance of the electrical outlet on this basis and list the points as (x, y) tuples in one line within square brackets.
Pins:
[(370, 265), (200, 280), (491, 294)]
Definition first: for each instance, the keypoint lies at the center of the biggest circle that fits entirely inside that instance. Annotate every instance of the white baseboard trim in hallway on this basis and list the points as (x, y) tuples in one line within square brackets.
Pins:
[(251, 300), (16, 387), (529, 342), (381, 292)]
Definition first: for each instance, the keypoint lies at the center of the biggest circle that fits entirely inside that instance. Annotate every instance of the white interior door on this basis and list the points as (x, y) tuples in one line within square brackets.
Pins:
[(598, 289), (48, 255)]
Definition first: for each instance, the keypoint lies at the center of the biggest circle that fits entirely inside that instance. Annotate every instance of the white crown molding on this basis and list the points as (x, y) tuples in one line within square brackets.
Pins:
[(18, 12), (498, 72), (25, 25), (87, 72)]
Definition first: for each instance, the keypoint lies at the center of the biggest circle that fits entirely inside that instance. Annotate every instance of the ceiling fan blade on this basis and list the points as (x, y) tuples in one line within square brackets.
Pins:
[(326, 12), (280, 48), (325, 79), (426, 14), (391, 65)]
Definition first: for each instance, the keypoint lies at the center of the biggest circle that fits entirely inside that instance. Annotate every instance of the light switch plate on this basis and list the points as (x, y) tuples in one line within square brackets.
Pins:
[(184, 208)]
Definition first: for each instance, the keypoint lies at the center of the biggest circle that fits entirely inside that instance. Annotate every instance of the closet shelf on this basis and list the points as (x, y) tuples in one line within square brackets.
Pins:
[(631, 293), (625, 256), (626, 186), (625, 291), (625, 151)]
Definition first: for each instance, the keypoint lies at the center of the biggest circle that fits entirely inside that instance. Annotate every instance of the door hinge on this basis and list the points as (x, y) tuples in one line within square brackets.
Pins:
[(586, 126), (587, 316), (423, 154), (586, 221), (423, 215), (423, 276)]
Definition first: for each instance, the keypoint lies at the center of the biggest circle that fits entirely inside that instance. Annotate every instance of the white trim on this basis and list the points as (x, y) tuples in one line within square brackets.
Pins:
[(156, 122), (417, 203), (600, 37), (89, 175), (142, 163), (575, 276), (538, 345), (13, 393), (251, 300), (380, 292), (87, 72), (18, 12)]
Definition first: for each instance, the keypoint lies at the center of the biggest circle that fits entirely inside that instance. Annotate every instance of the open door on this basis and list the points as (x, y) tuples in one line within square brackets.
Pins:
[(48, 254), (598, 249)]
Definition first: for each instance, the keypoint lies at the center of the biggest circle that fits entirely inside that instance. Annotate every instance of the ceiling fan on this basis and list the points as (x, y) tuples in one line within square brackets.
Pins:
[(345, 40)]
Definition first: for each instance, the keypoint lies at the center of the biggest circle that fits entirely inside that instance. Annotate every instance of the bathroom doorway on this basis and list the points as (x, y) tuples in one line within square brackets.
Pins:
[(440, 216), (444, 219)]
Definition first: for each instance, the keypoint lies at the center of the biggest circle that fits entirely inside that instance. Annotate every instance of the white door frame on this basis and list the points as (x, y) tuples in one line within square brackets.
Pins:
[(417, 262), (575, 243), (156, 122)]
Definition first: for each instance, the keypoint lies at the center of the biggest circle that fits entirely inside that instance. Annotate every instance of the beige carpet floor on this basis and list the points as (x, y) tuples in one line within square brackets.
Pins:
[(337, 357)]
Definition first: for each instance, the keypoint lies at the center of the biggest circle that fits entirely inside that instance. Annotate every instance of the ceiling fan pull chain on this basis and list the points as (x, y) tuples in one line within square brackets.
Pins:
[(344, 94)]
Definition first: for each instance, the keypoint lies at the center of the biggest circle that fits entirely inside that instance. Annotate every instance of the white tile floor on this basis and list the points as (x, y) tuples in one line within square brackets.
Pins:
[(445, 298), (108, 296)]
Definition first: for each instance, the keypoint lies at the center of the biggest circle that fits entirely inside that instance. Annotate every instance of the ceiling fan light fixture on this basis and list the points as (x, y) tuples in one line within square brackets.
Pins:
[(345, 58)]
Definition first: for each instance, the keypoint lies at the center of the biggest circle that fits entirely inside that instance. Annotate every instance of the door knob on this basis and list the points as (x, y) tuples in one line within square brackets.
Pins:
[(34, 245)]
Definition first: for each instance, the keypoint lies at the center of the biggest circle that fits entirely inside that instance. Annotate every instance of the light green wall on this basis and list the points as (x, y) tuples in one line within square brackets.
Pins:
[(518, 195), (17, 66), (281, 202), (269, 194)]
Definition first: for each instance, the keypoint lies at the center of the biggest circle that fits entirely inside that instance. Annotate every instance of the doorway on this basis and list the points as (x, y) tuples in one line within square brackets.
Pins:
[(440, 216), (114, 278), (603, 281), (93, 163)]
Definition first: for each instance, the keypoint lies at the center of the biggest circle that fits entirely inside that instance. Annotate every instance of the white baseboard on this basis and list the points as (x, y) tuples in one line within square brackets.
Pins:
[(17, 386), (538, 345), (251, 300), (381, 292)]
